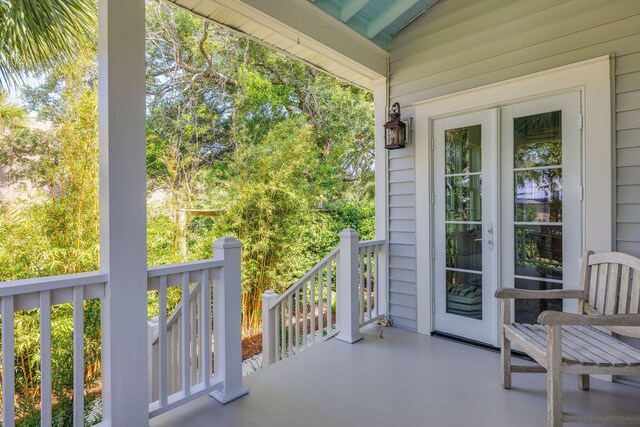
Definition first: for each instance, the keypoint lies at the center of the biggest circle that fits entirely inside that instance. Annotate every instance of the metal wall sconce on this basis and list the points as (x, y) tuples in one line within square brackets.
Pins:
[(395, 130)]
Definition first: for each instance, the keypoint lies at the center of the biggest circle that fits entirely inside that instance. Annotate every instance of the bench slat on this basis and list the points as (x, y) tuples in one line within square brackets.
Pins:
[(583, 345), (623, 300), (612, 290), (603, 274)]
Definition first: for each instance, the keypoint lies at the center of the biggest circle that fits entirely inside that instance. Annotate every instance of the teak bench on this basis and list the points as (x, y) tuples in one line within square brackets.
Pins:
[(583, 343)]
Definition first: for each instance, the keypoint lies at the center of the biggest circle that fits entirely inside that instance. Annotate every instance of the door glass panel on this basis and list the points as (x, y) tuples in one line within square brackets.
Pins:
[(464, 249), (462, 150), (539, 195), (463, 220), (462, 198), (538, 140), (538, 209), (539, 251), (528, 310), (464, 294)]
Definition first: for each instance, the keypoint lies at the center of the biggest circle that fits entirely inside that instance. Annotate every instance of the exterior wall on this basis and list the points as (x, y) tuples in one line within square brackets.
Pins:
[(463, 44)]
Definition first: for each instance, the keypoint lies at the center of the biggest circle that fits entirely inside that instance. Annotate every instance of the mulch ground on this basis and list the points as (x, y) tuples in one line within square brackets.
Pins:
[(251, 346)]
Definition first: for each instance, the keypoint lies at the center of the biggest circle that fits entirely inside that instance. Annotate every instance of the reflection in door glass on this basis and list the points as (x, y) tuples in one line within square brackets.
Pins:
[(464, 247), (462, 150), (538, 209), (464, 294), (538, 140), (463, 198), (527, 311), (463, 221), (539, 195), (539, 251)]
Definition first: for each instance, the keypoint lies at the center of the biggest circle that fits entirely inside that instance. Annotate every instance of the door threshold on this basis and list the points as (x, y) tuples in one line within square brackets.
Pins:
[(478, 344)]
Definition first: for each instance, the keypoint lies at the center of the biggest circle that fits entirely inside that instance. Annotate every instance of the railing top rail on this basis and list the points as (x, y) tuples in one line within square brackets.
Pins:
[(306, 277), (374, 242), (40, 284), (183, 267)]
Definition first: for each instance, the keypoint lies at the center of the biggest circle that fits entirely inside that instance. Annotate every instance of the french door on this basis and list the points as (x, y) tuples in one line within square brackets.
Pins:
[(507, 211)]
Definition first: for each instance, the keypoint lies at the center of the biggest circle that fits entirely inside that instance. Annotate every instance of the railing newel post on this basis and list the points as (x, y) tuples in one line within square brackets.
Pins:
[(347, 287), (227, 314), (268, 328)]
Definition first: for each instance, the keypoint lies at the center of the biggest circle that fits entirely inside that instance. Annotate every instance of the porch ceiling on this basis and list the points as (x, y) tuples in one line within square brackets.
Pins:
[(377, 20), (346, 38)]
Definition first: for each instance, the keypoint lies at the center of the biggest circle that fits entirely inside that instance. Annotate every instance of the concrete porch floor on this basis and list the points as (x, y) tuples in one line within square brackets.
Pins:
[(402, 380)]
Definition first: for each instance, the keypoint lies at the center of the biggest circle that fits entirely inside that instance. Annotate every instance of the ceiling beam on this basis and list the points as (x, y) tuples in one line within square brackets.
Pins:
[(350, 8), (387, 16)]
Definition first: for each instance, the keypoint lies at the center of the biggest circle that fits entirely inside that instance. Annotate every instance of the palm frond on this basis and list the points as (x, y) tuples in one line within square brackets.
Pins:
[(10, 114), (36, 34)]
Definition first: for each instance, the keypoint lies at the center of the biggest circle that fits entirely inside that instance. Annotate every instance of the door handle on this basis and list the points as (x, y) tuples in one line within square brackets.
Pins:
[(489, 240)]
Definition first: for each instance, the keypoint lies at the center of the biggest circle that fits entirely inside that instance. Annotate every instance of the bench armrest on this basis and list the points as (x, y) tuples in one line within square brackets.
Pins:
[(560, 318), (511, 293)]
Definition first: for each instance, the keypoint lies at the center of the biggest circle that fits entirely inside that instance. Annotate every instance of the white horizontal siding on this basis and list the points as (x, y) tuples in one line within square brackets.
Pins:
[(463, 44)]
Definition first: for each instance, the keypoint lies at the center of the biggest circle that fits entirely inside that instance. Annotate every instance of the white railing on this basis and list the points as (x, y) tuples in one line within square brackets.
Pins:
[(341, 293), (303, 315), (180, 346), (42, 294)]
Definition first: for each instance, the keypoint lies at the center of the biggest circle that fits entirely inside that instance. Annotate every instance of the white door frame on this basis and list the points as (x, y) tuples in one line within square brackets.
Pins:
[(480, 330), (593, 79)]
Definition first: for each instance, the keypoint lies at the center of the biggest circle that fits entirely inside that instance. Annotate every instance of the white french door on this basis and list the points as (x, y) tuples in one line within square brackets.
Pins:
[(465, 215), (507, 211)]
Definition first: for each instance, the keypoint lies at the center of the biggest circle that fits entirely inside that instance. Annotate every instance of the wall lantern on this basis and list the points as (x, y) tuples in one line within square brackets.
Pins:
[(395, 130)]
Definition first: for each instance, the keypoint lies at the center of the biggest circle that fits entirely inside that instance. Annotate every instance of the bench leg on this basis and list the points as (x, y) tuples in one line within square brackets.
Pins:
[(554, 376), (505, 345), (583, 382), (505, 361)]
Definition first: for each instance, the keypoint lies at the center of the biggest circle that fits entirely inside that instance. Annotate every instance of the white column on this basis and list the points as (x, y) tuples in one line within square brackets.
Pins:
[(268, 329), (123, 252), (227, 321), (382, 200), (347, 287)]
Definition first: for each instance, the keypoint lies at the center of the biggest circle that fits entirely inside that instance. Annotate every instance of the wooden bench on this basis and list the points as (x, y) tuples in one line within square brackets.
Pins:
[(582, 343)]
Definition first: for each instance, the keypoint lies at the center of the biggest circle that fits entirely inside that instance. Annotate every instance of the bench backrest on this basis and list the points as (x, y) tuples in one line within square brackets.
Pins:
[(611, 282)]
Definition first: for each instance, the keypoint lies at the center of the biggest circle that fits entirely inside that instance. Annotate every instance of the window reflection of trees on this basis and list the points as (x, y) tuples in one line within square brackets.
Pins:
[(538, 198)]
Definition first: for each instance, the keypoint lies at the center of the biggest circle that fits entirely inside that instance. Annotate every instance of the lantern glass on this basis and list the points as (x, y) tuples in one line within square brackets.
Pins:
[(395, 130)]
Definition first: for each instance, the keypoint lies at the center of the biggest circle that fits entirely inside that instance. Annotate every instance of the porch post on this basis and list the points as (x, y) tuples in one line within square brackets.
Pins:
[(268, 328), (380, 106), (227, 321), (347, 287), (123, 252)]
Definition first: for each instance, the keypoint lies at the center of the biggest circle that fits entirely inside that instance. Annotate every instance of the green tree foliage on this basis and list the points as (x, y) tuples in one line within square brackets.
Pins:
[(54, 230), (279, 152), (279, 155)]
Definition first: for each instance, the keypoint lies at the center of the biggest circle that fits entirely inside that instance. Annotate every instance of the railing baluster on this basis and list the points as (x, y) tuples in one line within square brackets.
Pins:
[(376, 294), (290, 317), (312, 288), (78, 356), (277, 333), (329, 296), (304, 315), (8, 363), (205, 328), (320, 305), (361, 287), (45, 359), (283, 344), (186, 332), (194, 340), (297, 317), (162, 340), (369, 276)]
